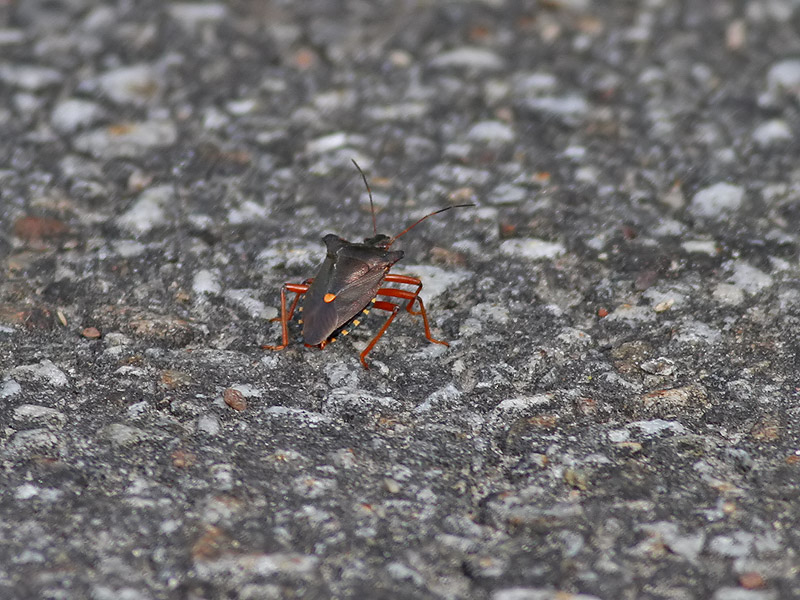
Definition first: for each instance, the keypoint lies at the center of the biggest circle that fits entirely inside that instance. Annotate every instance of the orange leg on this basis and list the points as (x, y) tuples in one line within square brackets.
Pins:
[(298, 289), (392, 308), (412, 297), (392, 278)]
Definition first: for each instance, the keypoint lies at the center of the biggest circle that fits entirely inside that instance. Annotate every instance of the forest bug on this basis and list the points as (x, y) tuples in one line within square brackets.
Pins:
[(348, 285)]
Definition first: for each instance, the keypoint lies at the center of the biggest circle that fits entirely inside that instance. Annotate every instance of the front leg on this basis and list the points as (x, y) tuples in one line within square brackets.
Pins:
[(298, 289)]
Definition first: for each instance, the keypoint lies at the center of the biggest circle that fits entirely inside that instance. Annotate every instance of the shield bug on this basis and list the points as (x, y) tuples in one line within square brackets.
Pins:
[(349, 284)]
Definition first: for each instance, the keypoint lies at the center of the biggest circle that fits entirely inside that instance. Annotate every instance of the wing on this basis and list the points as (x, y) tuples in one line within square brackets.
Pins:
[(348, 279)]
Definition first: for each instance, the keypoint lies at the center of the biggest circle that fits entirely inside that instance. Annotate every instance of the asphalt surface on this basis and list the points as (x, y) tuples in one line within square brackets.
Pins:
[(616, 415)]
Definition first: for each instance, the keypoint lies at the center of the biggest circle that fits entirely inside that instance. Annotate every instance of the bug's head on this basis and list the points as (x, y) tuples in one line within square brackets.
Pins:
[(378, 240)]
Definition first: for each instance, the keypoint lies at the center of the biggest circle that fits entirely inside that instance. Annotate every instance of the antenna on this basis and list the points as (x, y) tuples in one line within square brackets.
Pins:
[(371, 205), (436, 212)]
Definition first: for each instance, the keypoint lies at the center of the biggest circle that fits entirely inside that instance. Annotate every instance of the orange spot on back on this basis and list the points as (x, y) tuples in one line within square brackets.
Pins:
[(328, 298)]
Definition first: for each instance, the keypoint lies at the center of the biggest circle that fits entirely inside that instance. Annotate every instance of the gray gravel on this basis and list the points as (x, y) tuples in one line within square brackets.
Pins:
[(616, 415)]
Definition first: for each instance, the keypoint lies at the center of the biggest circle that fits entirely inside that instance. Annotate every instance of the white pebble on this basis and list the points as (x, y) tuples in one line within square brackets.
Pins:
[(193, 14), (772, 132), (749, 278), (717, 201), (508, 193), (568, 107), (127, 140), (729, 294), (135, 84), (468, 57), (246, 300), (532, 249), (324, 144), (9, 388), (148, 211), (31, 78), (206, 282), (43, 371), (209, 424), (784, 75), (491, 132), (701, 247), (73, 113)]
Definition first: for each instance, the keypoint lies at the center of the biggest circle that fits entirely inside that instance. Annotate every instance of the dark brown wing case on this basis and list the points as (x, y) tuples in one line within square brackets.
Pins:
[(352, 273)]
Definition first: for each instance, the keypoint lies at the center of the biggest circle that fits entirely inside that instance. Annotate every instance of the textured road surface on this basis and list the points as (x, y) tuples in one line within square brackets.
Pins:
[(616, 416)]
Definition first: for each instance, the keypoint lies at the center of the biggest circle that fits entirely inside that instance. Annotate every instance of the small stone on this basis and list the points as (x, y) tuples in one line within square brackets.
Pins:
[(696, 332), (135, 84), (736, 34), (9, 388), (569, 108), (73, 114), (313, 487), (246, 300), (91, 333), (235, 399), (129, 248), (391, 485), (183, 459), (39, 230), (674, 197), (709, 247), (656, 426), (664, 305), (532, 249), (468, 57), (148, 211), (327, 143), (207, 282), (400, 572), (734, 593), (102, 592), (40, 416), (659, 366), (729, 294), (194, 14), (27, 104), (772, 133), (173, 379), (115, 339), (784, 76), (403, 112), (247, 567), (127, 140), (241, 107), (717, 201), (675, 401), (749, 278), (44, 371), (491, 132), (33, 442), (508, 193), (209, 424), (521, 593), (31, 78), (123, 435), (11, 37), (752, 580)]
